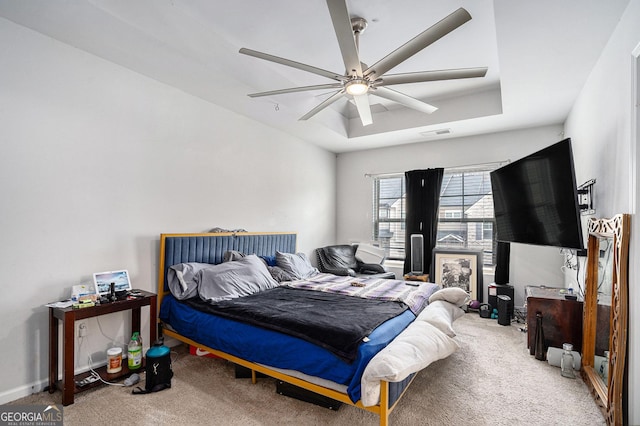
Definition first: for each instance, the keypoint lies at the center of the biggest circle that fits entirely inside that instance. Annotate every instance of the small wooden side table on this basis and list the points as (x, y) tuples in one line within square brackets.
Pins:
[(69, 316), (561, 318)]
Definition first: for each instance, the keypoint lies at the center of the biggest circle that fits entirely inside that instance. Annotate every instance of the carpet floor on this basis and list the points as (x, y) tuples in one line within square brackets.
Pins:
[(490, 380)]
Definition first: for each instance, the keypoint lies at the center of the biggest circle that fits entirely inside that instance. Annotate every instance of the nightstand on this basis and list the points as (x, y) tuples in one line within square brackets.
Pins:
[(69, 316), (561, 318)]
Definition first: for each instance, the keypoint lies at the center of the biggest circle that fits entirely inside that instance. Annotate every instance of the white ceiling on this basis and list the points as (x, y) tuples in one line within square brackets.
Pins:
[(539, 55)]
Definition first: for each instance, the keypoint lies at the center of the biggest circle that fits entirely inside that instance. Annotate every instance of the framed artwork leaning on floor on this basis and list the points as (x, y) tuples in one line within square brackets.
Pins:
[(458, 268)]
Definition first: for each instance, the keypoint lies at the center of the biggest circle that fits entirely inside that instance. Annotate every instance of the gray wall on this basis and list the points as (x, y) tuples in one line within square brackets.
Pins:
[(355, 190), (96, 161), (603, 124)]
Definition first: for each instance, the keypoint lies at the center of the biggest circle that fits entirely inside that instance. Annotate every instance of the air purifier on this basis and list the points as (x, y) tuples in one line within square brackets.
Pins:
[(417, 254)]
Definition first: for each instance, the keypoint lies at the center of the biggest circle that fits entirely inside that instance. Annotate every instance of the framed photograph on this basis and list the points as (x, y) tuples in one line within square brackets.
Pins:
[(458, 268)]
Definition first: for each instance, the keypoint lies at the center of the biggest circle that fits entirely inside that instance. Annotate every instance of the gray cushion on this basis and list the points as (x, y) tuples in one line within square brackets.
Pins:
[(297, 265), (228, 280), (181, 279)]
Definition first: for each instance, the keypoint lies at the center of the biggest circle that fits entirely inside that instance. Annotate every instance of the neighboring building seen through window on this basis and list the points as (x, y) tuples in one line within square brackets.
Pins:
[(465, 218)]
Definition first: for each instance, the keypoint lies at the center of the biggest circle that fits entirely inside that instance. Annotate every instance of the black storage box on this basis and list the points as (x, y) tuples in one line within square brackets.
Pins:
[(287, 389), (245, 373)]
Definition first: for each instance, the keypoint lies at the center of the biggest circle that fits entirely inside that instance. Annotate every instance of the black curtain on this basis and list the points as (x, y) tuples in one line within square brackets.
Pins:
[(423, 200), (503, 252)]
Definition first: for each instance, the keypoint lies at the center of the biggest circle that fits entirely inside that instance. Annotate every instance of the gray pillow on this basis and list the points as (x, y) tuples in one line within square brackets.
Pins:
[(231, 255), (228, 280), (297, 265), (181, 279), (280, 274)]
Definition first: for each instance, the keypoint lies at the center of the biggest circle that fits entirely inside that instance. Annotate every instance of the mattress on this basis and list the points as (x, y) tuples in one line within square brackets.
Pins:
[(262, 346)]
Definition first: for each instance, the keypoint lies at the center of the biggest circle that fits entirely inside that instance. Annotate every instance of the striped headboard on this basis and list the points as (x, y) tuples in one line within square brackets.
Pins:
[(210, 248)]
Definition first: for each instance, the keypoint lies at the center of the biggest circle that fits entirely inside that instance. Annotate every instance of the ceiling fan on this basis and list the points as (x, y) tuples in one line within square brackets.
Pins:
[(360, 80)]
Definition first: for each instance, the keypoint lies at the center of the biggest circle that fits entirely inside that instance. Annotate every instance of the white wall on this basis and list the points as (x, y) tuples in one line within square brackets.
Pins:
[(355, 190), (601, 125), (96, 161)]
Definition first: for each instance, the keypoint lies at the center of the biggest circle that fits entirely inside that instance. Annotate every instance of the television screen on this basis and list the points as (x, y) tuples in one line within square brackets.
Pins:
[(535, 199)]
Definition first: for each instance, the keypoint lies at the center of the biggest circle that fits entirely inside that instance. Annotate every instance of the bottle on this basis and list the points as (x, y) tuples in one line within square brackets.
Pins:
[(566, 362), (540, 350), (134, 354), (604, 367)]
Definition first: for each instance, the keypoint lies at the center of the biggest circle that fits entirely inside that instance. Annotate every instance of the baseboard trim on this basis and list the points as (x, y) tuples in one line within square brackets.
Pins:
[(22, 391)]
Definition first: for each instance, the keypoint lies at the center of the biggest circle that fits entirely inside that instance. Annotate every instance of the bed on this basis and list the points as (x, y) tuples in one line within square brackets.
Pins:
[(371, 373)]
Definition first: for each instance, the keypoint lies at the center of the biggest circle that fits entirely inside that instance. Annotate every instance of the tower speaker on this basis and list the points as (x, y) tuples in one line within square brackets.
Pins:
[(505, 310), (496, 290), (417, 254)]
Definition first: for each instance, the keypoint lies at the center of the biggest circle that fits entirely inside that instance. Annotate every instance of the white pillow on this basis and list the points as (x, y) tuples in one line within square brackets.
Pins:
[(415, 348), (454, 295), (441, 315), (366, 253), (297, 265)]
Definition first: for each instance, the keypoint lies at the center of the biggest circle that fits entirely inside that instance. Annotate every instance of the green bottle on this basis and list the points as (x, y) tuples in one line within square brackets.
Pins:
[(134, 354)]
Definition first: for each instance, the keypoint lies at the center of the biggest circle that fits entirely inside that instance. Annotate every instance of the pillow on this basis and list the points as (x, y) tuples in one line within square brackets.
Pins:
[(181, 279), (419, 345), (228, 280), (366, 253), (454, 295), (297, 265), (231, 255), (280, 274), (269, 260), (441, 315)]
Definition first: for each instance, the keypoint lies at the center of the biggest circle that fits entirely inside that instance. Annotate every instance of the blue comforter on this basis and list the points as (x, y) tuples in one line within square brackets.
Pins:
[(275, 349)]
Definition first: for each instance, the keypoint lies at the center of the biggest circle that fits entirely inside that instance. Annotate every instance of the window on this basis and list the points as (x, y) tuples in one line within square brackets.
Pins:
[(465, 219), (389, 214)]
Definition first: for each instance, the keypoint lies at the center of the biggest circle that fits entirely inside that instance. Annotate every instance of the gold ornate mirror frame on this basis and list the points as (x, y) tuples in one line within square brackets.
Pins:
[(607, 392)]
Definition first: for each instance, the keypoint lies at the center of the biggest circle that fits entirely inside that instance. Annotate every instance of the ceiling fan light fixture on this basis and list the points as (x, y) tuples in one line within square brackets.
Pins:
[(359, 80), (357, 87)]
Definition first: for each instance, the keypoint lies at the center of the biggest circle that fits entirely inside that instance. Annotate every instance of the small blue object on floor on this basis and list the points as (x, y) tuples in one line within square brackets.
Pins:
[(132, 379)]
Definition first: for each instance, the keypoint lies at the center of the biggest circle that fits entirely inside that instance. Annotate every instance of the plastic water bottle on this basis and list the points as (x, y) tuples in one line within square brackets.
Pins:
[(134, 354)]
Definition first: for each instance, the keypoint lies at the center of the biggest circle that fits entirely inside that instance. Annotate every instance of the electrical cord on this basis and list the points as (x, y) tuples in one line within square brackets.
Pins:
[(129, 381), (572, 262), (108, 337)]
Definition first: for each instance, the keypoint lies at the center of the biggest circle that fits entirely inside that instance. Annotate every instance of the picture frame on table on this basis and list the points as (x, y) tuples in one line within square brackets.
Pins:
[(458, 268)]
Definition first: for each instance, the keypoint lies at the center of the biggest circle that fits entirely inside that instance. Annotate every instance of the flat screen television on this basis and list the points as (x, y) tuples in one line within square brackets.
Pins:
[(536, 201)]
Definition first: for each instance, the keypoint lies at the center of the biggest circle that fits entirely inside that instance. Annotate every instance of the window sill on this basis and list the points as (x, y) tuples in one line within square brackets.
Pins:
[(399, 264)]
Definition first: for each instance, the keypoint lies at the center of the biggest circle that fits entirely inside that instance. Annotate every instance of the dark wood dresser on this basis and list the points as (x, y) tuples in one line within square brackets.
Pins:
[(561, 318)]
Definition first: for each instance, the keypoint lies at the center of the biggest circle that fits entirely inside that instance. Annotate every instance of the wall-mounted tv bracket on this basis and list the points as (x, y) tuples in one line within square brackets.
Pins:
[(585, 197)]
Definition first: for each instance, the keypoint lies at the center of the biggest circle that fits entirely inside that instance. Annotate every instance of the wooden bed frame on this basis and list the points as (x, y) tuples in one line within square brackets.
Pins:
[(383, 409)]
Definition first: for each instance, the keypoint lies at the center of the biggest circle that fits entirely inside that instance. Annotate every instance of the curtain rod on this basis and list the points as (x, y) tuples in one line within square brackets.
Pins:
[(468, 166)]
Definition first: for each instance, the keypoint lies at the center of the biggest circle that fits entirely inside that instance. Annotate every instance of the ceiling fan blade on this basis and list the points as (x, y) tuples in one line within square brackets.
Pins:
[(364, 110), (293, 64), (344, 33), (323, 105), (296, 89), (422, 40), (420, 77), (403, 99)]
